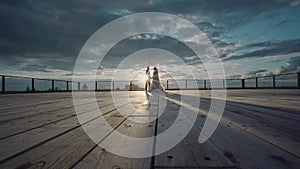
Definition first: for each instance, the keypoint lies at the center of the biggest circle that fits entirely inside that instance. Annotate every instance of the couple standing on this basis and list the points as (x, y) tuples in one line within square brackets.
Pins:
[(155, 84)]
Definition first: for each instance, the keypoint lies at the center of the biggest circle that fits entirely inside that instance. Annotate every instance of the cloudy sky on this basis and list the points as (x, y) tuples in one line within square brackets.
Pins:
[(43, 38)]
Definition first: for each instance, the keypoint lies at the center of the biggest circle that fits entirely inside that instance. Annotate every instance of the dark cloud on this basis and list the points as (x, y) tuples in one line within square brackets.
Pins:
[(45, 28), (269, 49), (63, 26), (128, 46), (284, 22), (227, 14), (293, 65), (250, 74), (219, 43), (255, 72), (37, 62), (40, 35)]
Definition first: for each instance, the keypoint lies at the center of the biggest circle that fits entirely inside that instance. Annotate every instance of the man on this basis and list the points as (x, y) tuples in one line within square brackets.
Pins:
[(148, 80)]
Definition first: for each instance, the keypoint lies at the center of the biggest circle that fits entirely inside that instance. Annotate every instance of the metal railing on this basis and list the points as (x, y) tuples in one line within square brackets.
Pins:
[(288, 80), (21, 84)]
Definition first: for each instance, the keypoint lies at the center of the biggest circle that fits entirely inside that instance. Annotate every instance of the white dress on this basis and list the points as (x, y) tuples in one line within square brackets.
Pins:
[(156, 83)]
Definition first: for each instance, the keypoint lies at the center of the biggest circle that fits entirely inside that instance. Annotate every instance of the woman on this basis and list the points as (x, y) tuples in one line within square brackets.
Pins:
[(155, 81)]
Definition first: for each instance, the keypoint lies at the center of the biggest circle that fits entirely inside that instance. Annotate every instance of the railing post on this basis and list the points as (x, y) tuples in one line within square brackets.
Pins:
[(96, 86), (298, 77), (52, 85), (185, 84), (67, 83), (167, 84), (32, 85), (130, 86), (204, 84), (78, 86), (243, 83), (3, 84), (274, 85), (256, 82)]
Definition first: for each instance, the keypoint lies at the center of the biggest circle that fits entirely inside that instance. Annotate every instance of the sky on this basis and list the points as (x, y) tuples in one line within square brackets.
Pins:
[(253, 38)]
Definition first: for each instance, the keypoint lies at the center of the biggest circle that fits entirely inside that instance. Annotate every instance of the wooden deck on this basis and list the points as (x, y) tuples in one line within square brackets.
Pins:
[(259, 129)]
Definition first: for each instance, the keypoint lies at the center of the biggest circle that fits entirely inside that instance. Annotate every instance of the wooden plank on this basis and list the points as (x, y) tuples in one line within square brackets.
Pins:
[(43, 118), (17, 101), (99, 158), (57, 131), (25, 141), (262, 126), (109, 160), (249, 136), (65, 105), (39, 106), (268, 114), (279, 131), (195, 168), (284, 135), (189, 153), (245, 149), (62, 152), (12, 115), (274, 126), (279, 99), (36, 108)]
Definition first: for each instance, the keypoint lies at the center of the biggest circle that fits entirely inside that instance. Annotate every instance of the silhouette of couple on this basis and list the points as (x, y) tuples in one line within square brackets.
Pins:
[(152, 83)]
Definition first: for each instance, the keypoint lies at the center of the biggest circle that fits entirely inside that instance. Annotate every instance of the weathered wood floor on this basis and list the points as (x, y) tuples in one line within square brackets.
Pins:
[(259, 129)]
